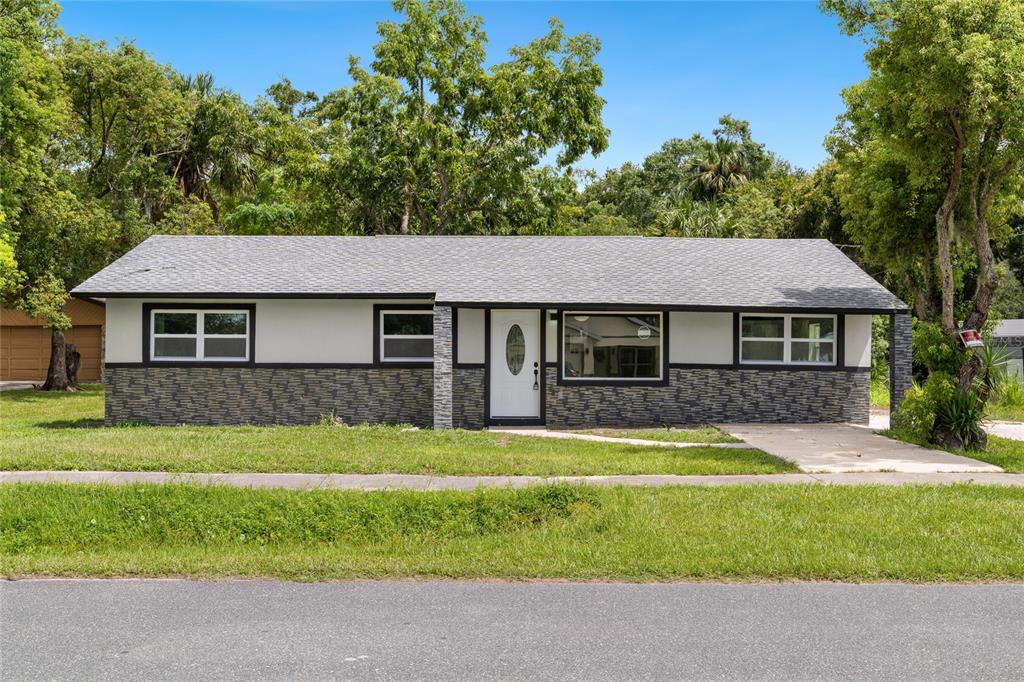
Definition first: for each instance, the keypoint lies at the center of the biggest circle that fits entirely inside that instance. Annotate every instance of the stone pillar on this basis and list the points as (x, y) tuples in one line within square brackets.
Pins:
[(900, 370), (443, 362)]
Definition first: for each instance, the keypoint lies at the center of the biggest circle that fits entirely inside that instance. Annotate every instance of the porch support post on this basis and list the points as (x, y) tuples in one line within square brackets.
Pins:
[(899, 359), (443, 361)]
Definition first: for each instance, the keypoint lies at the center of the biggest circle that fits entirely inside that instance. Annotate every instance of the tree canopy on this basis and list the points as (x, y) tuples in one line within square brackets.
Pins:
[(931, 147)]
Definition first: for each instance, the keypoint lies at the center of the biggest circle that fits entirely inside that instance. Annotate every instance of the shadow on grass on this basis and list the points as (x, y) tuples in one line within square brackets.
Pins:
[(82, 423)]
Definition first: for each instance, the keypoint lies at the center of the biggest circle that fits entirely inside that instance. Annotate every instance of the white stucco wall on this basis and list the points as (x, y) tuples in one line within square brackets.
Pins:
[(550, 338), (341, 331), (124, 330), (701, 338), (287, 330), (471, 335), (327, 331), (858, 340)]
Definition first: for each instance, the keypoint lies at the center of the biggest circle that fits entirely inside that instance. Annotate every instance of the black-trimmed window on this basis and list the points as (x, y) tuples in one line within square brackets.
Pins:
[(406, 335), (791, 339), (620, 346), (182, 335)]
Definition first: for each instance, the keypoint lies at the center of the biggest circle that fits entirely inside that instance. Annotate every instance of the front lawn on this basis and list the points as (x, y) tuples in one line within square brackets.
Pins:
[(1007, 453), (704, 434), (880, 393), (41, 430), (1003, 452), (806, 532)]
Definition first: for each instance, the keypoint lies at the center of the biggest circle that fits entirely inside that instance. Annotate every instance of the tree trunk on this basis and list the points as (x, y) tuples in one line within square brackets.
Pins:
[(57, 372), (73, 361), (404, 229), (944, 223), (988, 280)]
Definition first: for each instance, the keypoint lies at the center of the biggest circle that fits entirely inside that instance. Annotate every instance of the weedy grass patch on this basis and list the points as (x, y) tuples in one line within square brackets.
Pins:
[(754, 532)]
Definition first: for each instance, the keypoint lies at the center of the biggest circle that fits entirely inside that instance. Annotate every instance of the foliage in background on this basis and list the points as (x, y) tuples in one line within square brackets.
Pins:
[(934, 351), (931, 149)]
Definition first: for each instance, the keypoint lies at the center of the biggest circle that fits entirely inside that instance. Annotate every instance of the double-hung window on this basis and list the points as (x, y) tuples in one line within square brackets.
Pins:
[(612, 346), (199, 335), (788, 339), (406, 335)]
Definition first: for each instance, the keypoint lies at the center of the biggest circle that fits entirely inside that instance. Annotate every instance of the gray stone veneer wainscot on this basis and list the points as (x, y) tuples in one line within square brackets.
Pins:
[(468, 397), (703, 396), (266, 395)]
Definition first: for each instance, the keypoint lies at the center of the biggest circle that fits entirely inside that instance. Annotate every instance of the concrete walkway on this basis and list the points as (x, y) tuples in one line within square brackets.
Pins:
[(1014, 430), (16, 385), (419, 482), (834, 448), (541, 432)]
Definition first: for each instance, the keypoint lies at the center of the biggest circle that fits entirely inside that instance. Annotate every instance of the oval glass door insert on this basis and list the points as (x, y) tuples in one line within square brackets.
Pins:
[(515, 349)]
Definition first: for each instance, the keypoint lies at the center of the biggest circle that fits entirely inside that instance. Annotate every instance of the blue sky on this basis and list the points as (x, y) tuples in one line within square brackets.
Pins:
[(671, 68)]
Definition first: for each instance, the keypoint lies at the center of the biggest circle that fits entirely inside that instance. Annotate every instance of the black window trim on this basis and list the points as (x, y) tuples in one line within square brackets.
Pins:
[(562, 380), (838, 342), (147, 316), (378, 361)]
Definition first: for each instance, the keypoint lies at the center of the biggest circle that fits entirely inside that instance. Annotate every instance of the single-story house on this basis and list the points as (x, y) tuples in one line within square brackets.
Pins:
[(25, 342), (477, 331)]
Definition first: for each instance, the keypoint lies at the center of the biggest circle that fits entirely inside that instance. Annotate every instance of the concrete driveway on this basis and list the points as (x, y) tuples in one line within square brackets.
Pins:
[(833, 448)]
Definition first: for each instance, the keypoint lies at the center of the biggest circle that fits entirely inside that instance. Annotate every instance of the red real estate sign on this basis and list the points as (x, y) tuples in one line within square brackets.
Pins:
[(971, 338)]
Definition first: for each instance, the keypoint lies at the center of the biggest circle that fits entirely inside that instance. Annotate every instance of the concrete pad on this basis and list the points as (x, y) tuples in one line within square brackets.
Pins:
[(878, 420), (836, 448), (541, 432)]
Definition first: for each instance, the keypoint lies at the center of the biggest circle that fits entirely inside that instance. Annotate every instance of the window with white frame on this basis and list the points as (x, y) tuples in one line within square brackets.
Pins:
[(406, 335), (612, 346), (788, 339), (209, 335)]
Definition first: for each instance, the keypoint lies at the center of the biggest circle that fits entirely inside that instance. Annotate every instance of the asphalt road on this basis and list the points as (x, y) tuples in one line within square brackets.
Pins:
[(167, 629)]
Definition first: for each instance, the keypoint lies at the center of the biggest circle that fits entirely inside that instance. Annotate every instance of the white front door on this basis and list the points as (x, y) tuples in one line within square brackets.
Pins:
[(516, 373)]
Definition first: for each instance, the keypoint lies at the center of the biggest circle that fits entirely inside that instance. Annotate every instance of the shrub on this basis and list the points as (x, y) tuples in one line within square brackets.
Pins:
[(958, 421), (938, 412), (992, 374), (915, 417), (1009, 393), (936, 351)]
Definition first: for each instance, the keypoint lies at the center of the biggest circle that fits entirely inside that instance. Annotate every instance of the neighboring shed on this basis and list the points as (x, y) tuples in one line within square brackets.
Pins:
[(25, 342), (1009, 334)]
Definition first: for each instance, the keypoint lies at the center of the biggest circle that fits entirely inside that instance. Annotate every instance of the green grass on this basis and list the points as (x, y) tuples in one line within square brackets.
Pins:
[(1003, 452), (703, 434), (857, 533), (41, 430), (879, 393), (1007, 453), (1004, 413)]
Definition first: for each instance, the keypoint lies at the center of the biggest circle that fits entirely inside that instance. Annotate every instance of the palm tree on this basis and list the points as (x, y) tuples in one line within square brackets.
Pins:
[(213, 157), (716, 167)]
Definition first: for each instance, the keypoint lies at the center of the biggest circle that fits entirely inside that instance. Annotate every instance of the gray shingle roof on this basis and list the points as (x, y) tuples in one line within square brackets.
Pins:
[(741, 273)]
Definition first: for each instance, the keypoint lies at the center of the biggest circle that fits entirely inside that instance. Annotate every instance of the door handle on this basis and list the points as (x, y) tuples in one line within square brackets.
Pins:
[(536, 377)]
